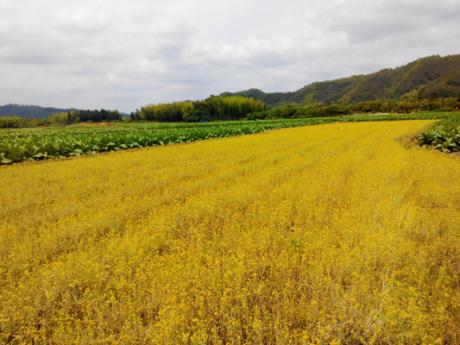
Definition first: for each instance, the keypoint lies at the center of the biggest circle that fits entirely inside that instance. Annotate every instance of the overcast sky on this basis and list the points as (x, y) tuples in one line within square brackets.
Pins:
[(124, 54)]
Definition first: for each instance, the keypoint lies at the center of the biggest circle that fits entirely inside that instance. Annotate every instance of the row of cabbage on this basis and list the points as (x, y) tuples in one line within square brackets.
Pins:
[(17, 145), (42, 143), (443, 135)]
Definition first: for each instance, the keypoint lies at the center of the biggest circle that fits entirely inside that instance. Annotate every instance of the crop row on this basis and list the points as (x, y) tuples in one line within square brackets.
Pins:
[(443, 136), (41, 143), (17, 145)]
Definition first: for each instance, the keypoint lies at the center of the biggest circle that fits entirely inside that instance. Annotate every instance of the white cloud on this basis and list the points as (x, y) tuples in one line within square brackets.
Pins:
[(122, 54)]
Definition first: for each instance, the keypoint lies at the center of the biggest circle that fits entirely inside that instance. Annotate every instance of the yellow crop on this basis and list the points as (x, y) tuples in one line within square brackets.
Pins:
[(332, 234)]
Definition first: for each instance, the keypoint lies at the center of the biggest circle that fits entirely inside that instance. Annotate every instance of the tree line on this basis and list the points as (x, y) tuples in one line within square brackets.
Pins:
[(61, 118), (377, 106), (212, 108), (235, 108), (101, 115)]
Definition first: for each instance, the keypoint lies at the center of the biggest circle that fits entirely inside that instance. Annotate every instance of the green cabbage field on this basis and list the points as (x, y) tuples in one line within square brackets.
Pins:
[(17, 145)]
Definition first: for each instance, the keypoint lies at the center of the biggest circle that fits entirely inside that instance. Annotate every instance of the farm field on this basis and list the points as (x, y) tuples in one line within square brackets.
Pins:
[(342, 233), (40, 143)]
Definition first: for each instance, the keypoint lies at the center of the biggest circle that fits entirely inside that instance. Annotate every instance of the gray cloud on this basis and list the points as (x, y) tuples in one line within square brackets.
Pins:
[(122, 54)]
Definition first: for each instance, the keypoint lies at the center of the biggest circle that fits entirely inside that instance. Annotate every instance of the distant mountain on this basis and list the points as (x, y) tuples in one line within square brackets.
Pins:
[(29, 111), (429, 77)]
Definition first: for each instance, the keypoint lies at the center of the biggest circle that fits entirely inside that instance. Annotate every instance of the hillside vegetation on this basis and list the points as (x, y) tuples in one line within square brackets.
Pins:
[(61, 118), (333, 234), (28, 111), (430, 77)]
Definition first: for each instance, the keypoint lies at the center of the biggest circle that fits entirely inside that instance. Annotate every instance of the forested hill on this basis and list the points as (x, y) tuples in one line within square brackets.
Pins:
[(28, 111), (430, 77)]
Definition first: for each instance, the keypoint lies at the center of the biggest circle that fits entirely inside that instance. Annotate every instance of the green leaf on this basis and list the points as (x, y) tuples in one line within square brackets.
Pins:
[(6, 161)]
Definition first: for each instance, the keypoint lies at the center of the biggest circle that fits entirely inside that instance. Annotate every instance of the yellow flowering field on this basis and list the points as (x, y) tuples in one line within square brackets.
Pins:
[(332, 234)]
